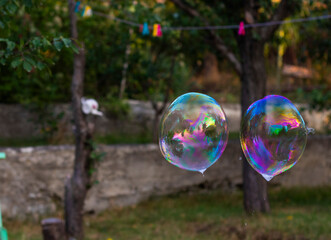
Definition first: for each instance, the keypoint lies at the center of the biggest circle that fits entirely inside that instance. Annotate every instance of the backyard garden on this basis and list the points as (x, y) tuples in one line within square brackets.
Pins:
[(165, 119)]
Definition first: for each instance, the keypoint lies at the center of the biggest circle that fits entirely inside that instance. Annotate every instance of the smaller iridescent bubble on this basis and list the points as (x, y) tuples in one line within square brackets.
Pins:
[(273, 135), (193, 132)]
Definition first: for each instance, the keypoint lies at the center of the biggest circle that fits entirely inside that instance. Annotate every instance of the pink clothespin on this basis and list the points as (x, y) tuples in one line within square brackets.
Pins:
[(159, 31), (241, 30)]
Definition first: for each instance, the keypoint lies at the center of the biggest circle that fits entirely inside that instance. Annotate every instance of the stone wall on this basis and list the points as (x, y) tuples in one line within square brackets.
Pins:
[(18, 122), (32, 179)]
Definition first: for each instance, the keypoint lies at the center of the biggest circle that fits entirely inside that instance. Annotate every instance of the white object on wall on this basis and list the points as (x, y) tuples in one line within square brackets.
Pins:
[(90, 106)]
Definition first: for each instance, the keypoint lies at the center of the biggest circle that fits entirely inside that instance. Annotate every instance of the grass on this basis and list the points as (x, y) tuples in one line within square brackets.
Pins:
[(297, 213)]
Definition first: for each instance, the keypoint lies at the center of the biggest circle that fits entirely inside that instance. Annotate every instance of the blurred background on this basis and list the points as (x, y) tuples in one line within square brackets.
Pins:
[(134, 192)]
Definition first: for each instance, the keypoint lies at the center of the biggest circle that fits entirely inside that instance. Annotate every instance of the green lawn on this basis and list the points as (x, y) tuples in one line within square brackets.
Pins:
[(297, 214)]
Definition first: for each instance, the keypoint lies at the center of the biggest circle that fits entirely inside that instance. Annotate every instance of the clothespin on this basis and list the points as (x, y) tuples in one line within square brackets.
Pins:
[(155, 27), (241, 30), (83, 11), (141, 27), (145, 30), (157, 30), (87, 11), (3, 231), (77, 7), (2, 155)]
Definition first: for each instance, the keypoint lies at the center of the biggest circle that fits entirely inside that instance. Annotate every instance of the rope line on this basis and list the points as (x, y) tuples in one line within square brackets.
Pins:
[(190, 28)]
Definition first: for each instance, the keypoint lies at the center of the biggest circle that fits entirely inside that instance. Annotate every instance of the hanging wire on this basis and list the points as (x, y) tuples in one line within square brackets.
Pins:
[(190, 28)]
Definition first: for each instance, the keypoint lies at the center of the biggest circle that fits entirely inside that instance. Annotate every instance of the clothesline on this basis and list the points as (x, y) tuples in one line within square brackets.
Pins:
[(189, 28)]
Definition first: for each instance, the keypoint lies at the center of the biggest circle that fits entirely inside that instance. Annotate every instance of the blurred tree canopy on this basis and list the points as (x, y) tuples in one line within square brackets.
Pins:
[(29, 46), (32, 32)]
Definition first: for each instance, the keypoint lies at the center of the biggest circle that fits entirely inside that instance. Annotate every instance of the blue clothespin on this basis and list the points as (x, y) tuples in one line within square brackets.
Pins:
[(3, 231), (77, 7), (83, 12), (145, 29)]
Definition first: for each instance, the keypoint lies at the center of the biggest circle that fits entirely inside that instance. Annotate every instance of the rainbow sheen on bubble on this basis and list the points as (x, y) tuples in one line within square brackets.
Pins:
[(193, 132), (273, 135)]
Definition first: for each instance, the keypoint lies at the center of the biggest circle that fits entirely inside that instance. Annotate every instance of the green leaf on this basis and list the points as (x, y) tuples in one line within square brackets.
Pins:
[(16, 62), (58, 45), (67, 42), (10, 45), (45, 43), (36, 42), (11, 8), (31, 61), (27, 66), (2, 25), (40, 65), (75, 49), (27, 3), (3, 2)]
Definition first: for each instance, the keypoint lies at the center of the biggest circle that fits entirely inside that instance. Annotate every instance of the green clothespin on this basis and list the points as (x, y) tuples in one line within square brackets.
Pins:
[(3, 231), (2, 155)]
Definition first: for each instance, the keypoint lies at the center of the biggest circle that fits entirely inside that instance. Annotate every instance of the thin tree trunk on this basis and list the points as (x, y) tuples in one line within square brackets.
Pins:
[(125, 65), (76, 187), (156, 126), (159, 110), (253, 79)]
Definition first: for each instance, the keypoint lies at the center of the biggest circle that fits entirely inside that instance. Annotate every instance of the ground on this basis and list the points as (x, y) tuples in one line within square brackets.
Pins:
[(297, 214)]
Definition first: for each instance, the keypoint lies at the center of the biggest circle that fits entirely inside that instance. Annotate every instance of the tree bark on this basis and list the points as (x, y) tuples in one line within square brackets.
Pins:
[(125, 66), (253, 80), (76, 186), (53, 229), (158, 110)]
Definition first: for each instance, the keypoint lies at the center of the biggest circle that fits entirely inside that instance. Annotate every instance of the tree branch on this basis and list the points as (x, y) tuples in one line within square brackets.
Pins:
[(219, 43), (285, 9), (73, 20)]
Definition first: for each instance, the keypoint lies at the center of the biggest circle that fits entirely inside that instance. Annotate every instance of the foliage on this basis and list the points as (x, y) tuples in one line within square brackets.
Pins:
[(29, 49), (30, 52), (39, 29), (113, 106), (96, 157), (319, 99), (36, 72)]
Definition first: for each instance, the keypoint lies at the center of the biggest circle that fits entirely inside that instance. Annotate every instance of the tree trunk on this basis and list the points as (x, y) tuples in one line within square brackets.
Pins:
[(253, 80), (156, 127), (125, 66), (76, 187), (53, 229)]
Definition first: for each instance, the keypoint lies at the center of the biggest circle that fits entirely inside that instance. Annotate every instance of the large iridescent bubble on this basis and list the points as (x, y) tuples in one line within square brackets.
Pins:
[(273, 135), (193, 132)]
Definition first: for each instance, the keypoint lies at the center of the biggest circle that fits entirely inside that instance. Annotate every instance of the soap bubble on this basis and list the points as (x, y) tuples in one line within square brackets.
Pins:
[(193, 132), (273, 135)]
